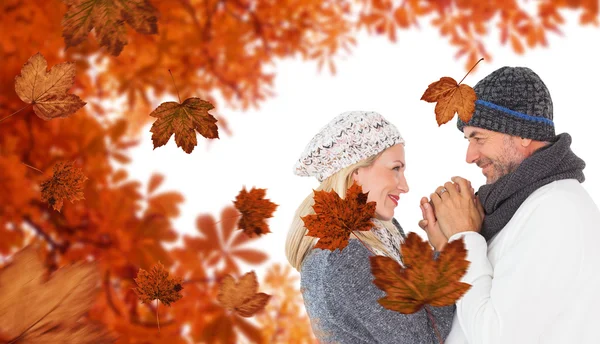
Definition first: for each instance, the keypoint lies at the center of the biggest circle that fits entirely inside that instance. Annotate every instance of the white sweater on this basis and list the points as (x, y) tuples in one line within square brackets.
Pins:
[(538, 281)]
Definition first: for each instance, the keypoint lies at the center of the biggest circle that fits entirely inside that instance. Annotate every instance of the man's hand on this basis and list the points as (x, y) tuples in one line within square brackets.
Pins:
[(457, 209)]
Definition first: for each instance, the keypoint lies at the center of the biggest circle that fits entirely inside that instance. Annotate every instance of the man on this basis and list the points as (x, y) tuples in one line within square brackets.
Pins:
[(532, 232)]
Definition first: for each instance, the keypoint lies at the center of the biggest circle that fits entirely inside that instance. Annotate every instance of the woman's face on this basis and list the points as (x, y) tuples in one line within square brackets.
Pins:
[(384, 180)]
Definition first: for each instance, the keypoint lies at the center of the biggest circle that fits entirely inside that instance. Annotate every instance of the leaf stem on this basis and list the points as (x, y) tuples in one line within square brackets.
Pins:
[(437, 333), (175, 86), (362, 242), (470, 70), (33, 168), (226, 218), (14, 113), (157, 322)]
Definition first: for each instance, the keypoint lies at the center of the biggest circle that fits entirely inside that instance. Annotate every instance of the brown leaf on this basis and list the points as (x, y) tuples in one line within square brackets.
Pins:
[(67, 182), (157, 284), (47, 90), (242, 297), (183, 120), (255, 210), (451, 98), (107, 18), (424, 280), (335, 218), (35, 308)]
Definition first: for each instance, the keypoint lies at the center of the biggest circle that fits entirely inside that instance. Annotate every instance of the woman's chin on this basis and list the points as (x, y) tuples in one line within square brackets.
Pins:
[(384, 217)]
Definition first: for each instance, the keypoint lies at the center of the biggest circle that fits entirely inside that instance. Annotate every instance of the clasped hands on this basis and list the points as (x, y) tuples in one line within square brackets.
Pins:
[(452, 208)]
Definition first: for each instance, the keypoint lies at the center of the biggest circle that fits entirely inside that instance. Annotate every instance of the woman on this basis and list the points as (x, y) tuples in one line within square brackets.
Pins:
[(339, 295)]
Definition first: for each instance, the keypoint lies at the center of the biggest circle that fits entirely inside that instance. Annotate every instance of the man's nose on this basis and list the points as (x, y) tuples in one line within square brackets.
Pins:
[(472, 154)]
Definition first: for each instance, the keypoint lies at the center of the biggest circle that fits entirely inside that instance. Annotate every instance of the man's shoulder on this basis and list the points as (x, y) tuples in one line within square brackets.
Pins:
[(562, 191), (566, 197)]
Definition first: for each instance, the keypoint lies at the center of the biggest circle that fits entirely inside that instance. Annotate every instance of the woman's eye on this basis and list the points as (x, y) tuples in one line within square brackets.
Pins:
[(397, 168)]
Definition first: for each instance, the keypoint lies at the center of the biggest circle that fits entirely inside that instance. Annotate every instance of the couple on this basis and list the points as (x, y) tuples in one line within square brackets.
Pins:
[(531, 232)]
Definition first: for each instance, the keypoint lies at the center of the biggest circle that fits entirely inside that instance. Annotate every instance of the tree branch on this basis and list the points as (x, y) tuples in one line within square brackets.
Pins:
[(55, 246)]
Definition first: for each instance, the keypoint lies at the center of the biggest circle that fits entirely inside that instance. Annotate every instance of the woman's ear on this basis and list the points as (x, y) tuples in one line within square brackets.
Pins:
[(355, 175)]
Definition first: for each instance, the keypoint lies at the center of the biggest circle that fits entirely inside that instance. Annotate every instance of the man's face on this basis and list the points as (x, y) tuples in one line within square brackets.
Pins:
[(497, 154)]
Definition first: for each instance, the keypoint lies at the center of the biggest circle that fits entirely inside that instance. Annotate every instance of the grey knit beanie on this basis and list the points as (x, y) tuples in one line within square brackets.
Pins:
[(514, 101)]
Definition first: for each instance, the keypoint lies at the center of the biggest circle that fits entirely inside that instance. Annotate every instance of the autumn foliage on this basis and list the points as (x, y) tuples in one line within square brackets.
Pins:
[(78, 81)]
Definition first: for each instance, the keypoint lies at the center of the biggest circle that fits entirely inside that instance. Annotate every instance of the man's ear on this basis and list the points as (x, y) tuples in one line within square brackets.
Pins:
[(525, 142)]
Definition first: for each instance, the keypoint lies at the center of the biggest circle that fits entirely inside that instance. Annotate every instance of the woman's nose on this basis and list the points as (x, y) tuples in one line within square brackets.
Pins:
[(403, 184)]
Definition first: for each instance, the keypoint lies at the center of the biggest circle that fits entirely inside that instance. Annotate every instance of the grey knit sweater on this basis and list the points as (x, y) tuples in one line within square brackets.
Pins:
[(341, 301)]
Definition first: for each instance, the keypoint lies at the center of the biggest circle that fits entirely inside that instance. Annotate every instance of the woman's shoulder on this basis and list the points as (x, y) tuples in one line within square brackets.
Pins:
[(323, 259)]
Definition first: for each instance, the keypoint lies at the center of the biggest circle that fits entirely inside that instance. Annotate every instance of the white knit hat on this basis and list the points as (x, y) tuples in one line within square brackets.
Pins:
[(349, 138)]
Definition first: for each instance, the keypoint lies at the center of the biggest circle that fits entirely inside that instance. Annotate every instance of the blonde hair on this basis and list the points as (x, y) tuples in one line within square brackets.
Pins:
[(298, 244)]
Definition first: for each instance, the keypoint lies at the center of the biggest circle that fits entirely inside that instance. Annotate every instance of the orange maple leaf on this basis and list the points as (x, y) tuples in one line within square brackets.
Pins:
[(47, 90), (424, 280), (451, 98), (183, 120), (66, 182), (255, 210), (35, 308), (157, 285), (242, 297), (108, 19), (336, 218)]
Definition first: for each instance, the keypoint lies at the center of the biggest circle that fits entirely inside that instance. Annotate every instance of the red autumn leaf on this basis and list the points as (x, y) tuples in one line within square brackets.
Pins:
[(242, 296), (108, 19), (335, 218), (47, 90), (424, 280), (255, 210), (67, 182), (183, 120)]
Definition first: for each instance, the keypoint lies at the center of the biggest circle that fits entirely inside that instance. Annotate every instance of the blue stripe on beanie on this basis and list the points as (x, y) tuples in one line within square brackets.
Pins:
[(514, 113)]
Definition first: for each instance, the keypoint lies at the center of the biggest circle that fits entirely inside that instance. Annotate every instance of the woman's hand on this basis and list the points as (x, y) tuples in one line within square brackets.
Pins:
[(429, 224)]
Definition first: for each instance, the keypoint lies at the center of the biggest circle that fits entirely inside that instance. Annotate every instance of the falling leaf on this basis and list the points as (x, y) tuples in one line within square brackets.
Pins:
[(47, 90), (107, 18), (335, 218), (242, 297), (183, 120), (35, 308), (255, 210), (451, 98), (67, 182), (157, 285), (424, 280)]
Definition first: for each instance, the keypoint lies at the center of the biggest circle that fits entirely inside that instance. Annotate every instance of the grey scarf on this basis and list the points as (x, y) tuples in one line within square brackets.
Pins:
[(501, 199)]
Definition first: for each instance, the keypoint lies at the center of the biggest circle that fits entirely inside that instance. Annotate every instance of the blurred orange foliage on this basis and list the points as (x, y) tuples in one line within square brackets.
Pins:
[(216, 49)]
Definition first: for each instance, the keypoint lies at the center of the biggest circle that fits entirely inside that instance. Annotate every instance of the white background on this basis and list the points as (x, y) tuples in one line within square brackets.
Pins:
[(381, 76)]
